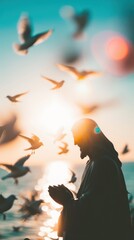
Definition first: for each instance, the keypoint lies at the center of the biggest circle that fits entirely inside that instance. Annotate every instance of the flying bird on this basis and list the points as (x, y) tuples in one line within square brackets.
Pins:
[(26, 38), (6, 204), (15, 97), (81, 20), (16, 229), (125, 149), (34, 141), (17, 170), (79, 75), (73, 177), (32, 209), (91, 108), (59, 135), (56, 83), (9, 131), (63, 149), (28, 200)]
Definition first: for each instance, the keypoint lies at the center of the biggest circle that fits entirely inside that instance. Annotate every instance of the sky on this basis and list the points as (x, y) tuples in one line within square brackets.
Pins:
[(107, 47)]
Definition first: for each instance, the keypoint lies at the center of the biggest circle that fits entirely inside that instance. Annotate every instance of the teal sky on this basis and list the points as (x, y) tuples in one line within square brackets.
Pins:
[(23, 73)]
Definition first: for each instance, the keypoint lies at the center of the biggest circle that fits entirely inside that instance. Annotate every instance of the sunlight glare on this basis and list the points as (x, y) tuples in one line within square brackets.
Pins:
[(57, 173), (57, 114), (83, 90)]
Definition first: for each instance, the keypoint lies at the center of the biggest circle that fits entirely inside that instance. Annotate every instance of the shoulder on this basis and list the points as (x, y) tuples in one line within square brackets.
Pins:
[(107, 164)]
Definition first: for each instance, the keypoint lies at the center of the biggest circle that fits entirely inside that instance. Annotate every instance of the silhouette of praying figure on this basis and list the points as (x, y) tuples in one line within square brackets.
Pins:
[(101, 210)]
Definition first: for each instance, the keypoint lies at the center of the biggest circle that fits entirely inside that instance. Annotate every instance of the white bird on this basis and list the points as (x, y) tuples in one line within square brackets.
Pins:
[(6, 204), (17, 170), (26, 38), (79, 75), (56, 83)]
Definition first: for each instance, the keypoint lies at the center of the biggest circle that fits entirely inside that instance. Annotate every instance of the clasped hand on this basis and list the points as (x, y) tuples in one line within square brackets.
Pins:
[(60, 194)]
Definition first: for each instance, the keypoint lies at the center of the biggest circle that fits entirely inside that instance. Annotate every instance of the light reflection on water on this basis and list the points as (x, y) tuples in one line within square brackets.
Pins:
[(56, 173)]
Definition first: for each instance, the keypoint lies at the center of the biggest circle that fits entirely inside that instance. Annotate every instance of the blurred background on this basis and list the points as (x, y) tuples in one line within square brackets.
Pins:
[(88, 36)]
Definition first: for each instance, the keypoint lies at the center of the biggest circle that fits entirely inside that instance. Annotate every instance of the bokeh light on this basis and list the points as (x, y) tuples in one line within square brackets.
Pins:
[(67, 11), (117, 48)]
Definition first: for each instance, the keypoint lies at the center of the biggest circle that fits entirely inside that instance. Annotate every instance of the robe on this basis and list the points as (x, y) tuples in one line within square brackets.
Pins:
[(101, 211)]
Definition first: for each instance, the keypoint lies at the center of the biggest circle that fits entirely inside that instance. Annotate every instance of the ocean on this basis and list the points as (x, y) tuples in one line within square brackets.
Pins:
[(43, 226)]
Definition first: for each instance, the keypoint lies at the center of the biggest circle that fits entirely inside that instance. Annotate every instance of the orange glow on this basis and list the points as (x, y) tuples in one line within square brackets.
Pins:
[(117, 48), (58, 113), (82, 88), (56, 173)]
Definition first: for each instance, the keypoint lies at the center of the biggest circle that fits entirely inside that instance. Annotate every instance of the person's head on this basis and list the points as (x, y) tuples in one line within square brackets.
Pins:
[(83, 131), (92, 142)]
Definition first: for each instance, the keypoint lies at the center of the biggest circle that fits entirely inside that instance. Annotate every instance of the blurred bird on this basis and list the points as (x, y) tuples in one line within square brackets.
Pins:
[(26, 203), (27, 200), (26, 38), (57, 84), (14, 98), (88, 109), (91, 108), (1, 130), (6, 204), (16, 229), (81, 20), (17, 170), (34, 141), (64, 149), (59, 135), (125, 149), (70, 56), (32, 209), (73, 177), (79, 75), (9, 131)]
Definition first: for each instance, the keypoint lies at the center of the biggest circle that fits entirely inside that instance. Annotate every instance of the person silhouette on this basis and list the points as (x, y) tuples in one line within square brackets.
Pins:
[(101, 210)]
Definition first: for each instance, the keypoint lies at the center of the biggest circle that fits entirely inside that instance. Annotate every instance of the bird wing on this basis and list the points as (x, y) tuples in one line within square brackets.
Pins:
[(92, 73), (22, 160), (40, 37), (24, 28), (73, 173), (125, 149), (81, 20), (7, 167), (69, 69), (65, 144), (27, 138), (20, 94), (2, 199), (50, 80)]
